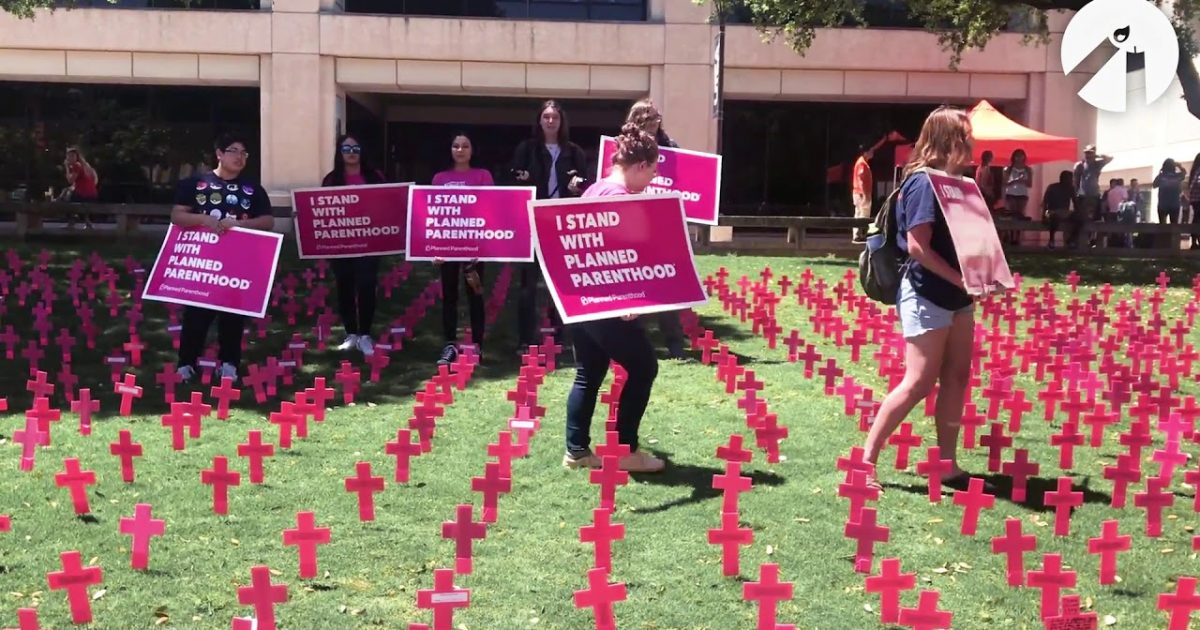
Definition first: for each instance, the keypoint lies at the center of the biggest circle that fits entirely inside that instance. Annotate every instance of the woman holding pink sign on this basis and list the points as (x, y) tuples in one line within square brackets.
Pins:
[(623, 340), (937, 315), (462, 174), (646, 116), (556, 167), (357, 277)]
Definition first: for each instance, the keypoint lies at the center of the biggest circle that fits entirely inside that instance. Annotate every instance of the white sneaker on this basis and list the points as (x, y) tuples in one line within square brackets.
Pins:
[(365, 345), (185, 372), (227, 370), (350, 343)]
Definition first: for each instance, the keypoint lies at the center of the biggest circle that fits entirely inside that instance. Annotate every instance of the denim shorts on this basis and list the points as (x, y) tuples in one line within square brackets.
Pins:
[(918, 315)]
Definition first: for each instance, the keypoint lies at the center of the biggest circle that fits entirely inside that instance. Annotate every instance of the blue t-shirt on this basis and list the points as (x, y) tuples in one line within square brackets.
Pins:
[(917, 205)]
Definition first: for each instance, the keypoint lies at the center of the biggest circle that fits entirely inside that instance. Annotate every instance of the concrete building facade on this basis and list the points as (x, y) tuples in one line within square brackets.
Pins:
[(307, 57)]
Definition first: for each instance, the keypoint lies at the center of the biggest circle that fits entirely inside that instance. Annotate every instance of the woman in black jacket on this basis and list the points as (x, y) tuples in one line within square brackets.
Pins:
[(556, 166), (646, 116), (357, 277)]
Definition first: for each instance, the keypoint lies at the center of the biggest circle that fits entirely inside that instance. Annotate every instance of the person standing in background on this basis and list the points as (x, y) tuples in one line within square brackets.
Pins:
[(357, 278), (471, 273), (862, 189), (1056, 203), (1193, 194), (1169, 183), (1086, 178), (648, 118), (986, 180), (554, 165), (82, 183)]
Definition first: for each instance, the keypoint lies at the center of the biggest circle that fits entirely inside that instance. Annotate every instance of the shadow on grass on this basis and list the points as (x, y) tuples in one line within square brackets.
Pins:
[(1001, 487), (1097, 270), (698, 478)]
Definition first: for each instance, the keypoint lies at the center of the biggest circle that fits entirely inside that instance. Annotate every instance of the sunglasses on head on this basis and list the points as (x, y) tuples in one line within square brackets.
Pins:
[(351, 148)]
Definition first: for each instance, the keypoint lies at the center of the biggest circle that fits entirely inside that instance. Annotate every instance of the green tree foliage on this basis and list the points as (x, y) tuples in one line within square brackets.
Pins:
[(961, 25)]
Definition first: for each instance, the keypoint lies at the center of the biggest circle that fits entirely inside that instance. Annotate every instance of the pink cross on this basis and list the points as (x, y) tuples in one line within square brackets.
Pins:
[(263, 596), (1014, 545), (1072, 618), (178, 421), (44, 414), (926, 615), (127, 390), (39, 387), (443, 599), (464, 531), (973, 500), (601, 533), (168, 378), (254, 449), (1154, 500), (134, 347), (404, 449), (503, 450), (856, 490), (126, 449), (1180, 604), (1066, 440), (904, 440), (305, 537), (935, 468), (491, 485), (220, 478), (867, 533), (30, 438), (1127, 471), (1107, 546), (75, 580), (610, 475), (141, 527), (1051, 579), (1020, 470), (350, 379), (27, 619), (77, 481), (889, 584), (365, 486), (225, 394), (1062, 499), (287, 420), (996, 442), (768, 591)]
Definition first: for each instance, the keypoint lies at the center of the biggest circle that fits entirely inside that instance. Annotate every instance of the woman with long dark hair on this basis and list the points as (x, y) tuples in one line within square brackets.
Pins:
[(462, 174), (1193, 194), (1169, 183), (648, 118), (619, 339), (937, 315), (356, 278), (556, 166)]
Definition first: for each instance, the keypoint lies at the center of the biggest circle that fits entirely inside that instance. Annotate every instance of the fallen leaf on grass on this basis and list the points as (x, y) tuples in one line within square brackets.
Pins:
[(98, 594), (1110, 620)]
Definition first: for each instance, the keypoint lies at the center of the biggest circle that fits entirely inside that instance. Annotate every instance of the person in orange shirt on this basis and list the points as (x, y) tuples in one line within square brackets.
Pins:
[(862, 186)]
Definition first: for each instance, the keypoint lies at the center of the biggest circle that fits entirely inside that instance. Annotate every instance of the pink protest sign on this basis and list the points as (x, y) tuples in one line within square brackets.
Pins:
[(346, 221), (470, 223), (231, 272), (694, 175), (605, 257), (980, 255)]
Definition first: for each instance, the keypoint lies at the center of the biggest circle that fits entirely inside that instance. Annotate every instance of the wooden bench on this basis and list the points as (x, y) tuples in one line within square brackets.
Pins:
[(29, 217), (1167, 244), (798, 234)]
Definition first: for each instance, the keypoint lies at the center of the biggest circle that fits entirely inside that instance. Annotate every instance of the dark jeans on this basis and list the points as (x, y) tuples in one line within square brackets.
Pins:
[(1054, 219), (451, 272), (197, 321), (596, 343), (1079, 219), (1195, 220), (527, 310), (1168, 215), (357, 279)]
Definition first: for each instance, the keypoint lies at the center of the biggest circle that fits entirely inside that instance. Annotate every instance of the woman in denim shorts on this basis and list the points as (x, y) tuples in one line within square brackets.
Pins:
[(936, 314)]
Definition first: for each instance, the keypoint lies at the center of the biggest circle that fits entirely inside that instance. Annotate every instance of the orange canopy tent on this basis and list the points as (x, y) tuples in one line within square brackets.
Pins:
[(998, 133)]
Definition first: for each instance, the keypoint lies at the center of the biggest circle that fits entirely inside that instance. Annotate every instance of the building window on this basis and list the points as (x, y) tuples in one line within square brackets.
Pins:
[(578, 10), (221, 5)]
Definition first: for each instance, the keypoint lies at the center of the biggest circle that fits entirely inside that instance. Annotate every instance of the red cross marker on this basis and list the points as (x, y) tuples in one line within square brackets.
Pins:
[(365, 486), (168, 378), (1107, 546), (1014, 545), (491, 485), (856, 490), (320, 395), (935, 468), (1127, 471), (263, 596), (75, 580), (5, 523), (732, 484), (996, 442), (503, 449), (220, 478), (198, 410), (1180, 604), (443, 599), (178, 421), (257, 380), (305, 537), (134, 347), (287, 420), (926, 615), (601, 533), (610, 475), (44, 415), (867, 533), (126, 449), (78, 481), (27, 619), (1154, 500), (1066, 440), (351, 381), (225, 394), (128, 390), (464, 531), (904, 440), (141, 527), (1052, 580), (254, 449), (889, 584), (768, 591), (404, 449), (85, 407), (973, 500), (1020, 470), (731, 538), (1062, 499), (706, 344), (30, 438), (1017, 406), (39, 387), (1072, 617)]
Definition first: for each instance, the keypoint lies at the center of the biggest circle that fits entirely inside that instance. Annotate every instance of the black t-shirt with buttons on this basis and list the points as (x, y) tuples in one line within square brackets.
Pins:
[(222, 198)]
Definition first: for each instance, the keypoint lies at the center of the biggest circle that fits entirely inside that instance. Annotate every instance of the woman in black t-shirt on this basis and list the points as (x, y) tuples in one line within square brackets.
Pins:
[(936, 313)]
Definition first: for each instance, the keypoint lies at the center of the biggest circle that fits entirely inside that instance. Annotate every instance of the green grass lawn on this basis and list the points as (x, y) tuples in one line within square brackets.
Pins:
[(532, 561)]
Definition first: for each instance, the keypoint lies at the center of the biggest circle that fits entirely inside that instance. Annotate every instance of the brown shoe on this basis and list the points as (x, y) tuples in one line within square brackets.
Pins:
[(642, 462), (586, 460)]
